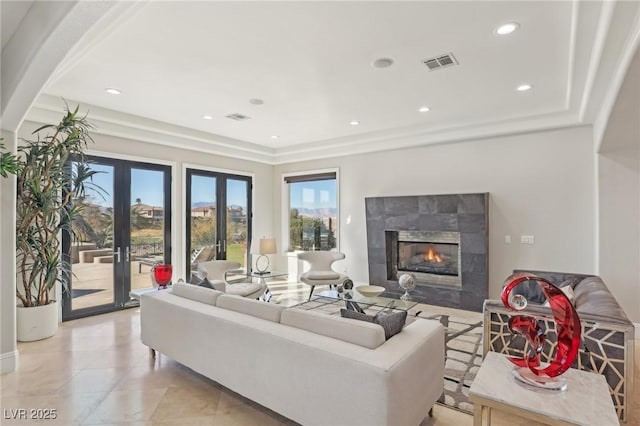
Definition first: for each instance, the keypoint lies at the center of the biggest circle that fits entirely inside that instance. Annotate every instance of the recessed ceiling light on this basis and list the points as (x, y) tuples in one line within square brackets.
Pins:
[(382, 62), (523, 87), (507, 28), (275, 137), (354, 123), (256, 101), (207, 117), (112, 91), (424, 109)]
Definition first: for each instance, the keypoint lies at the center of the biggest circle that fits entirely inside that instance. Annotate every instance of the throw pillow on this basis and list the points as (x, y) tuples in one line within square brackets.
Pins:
[(350, 313), (567, 290), (391, 323)]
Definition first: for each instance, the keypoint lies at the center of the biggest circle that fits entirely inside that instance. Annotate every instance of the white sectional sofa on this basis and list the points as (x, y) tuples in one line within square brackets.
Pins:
[(310, 367)]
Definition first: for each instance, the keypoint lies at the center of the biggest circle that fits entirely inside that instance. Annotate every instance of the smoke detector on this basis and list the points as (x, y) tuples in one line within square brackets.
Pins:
[(237, 116), (440, 61)]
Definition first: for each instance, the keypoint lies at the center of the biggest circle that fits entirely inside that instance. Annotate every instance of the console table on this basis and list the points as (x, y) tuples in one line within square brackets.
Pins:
[(586, 401)]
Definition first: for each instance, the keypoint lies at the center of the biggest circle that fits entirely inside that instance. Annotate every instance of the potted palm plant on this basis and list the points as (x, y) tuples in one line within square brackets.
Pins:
[(8, 162), (52, 174)]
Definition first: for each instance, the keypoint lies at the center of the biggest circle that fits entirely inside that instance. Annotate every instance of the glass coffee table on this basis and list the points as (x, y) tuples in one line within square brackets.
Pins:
[(361, 303)]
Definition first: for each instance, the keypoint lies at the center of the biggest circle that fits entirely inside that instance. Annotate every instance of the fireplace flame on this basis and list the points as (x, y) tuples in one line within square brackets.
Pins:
[(432, 256)]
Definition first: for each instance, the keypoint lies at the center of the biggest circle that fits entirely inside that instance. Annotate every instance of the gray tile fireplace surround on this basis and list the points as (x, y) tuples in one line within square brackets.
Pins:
[(463, 213)]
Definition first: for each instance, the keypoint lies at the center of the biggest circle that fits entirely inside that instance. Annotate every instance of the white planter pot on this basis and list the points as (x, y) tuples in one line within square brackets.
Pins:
[(37, 323)]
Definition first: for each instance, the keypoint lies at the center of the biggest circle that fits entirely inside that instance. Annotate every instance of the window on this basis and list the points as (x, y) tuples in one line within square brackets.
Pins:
[(313, 211)]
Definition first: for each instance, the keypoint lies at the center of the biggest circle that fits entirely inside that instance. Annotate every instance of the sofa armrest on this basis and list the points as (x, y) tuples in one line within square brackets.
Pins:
[(607, 345)]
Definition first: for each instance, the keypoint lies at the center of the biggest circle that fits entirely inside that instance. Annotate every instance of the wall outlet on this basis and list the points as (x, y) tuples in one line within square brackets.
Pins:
[(527, 239), (507, 239)]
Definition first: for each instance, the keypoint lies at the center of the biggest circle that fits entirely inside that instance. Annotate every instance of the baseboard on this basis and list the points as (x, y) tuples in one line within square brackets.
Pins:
[(8, 362), (637, 330)]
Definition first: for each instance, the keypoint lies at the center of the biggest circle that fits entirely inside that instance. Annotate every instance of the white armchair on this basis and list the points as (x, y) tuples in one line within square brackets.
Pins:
[(215, 272), (320, 272)]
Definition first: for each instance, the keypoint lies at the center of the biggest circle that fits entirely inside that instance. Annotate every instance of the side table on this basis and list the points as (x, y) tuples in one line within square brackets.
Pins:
[(586, 401), (135, 294)]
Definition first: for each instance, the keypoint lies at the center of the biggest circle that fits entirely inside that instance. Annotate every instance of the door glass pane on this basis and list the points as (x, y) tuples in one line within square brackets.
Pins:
[(92, 243), (203, 220), (237, 221), (147, 225)]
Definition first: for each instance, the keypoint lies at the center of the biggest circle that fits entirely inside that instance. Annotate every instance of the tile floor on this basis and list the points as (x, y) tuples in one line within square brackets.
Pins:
[(95, 371)]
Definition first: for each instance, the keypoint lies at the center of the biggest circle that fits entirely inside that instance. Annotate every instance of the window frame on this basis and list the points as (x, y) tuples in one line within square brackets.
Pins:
[(286, 199)]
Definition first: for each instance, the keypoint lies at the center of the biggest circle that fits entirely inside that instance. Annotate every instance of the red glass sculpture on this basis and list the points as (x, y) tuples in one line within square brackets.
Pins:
[(568, 331), (161, 275)]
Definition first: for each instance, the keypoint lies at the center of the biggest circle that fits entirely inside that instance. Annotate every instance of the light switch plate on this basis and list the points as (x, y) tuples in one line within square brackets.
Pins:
[(527, 239)]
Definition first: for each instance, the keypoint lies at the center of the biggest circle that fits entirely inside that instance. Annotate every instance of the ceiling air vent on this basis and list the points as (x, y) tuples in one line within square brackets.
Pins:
[(440, 61), (238, 117)]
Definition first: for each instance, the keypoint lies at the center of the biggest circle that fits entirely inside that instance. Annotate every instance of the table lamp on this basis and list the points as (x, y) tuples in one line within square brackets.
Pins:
[(267, 246)]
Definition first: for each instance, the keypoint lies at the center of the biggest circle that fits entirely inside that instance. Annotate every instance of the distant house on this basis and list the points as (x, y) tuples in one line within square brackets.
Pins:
[(203, 211), (150, 212), (237, 214)]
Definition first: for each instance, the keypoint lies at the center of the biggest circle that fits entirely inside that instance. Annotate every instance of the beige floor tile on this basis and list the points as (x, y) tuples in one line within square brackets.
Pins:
[(35, 383), (123, 359), (245, 415), (160, 373), (443, 416), (93, 380), (186, 421), (178, 403), (126, 406), (60, 410), (149, 423)]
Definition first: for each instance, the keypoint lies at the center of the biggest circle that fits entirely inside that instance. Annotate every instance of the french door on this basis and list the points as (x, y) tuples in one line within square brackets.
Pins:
[(124, 229), (218, 218)]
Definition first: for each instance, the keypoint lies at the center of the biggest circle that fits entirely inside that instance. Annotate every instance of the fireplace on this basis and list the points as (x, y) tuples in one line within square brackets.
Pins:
[(442, 239), (432, 257)]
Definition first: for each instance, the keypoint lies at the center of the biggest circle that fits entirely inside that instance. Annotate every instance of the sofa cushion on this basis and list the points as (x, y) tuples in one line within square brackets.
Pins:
[(352, 331), (391, 323), (255, 308), (213, 284), (593, 297), (243, 289), (193, 292)]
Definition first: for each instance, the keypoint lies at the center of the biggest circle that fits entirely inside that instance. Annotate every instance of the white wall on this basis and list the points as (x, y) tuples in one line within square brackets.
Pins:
[(619, 196), (8, 348), (540, 184), (619, 223), (136, 150)]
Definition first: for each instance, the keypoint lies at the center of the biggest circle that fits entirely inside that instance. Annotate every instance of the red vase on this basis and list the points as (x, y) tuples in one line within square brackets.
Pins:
[(162, 275)]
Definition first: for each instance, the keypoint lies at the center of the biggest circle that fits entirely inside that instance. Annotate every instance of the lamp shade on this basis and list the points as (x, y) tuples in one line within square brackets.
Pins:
[(268, 246)]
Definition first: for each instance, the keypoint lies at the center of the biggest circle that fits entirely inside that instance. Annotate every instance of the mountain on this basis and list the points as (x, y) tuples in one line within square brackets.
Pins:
[(323, 212), (203, 204)]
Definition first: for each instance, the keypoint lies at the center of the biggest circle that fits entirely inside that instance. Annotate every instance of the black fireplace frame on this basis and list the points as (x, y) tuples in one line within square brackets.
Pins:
[(392, 241)]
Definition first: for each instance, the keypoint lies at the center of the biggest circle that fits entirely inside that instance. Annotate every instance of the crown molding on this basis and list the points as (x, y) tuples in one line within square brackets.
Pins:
[(113, 123), (108, 122), (399, 139)]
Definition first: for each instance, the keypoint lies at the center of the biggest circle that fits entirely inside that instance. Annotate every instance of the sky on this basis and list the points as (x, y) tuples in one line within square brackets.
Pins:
[(145, 184), (148, 186)]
